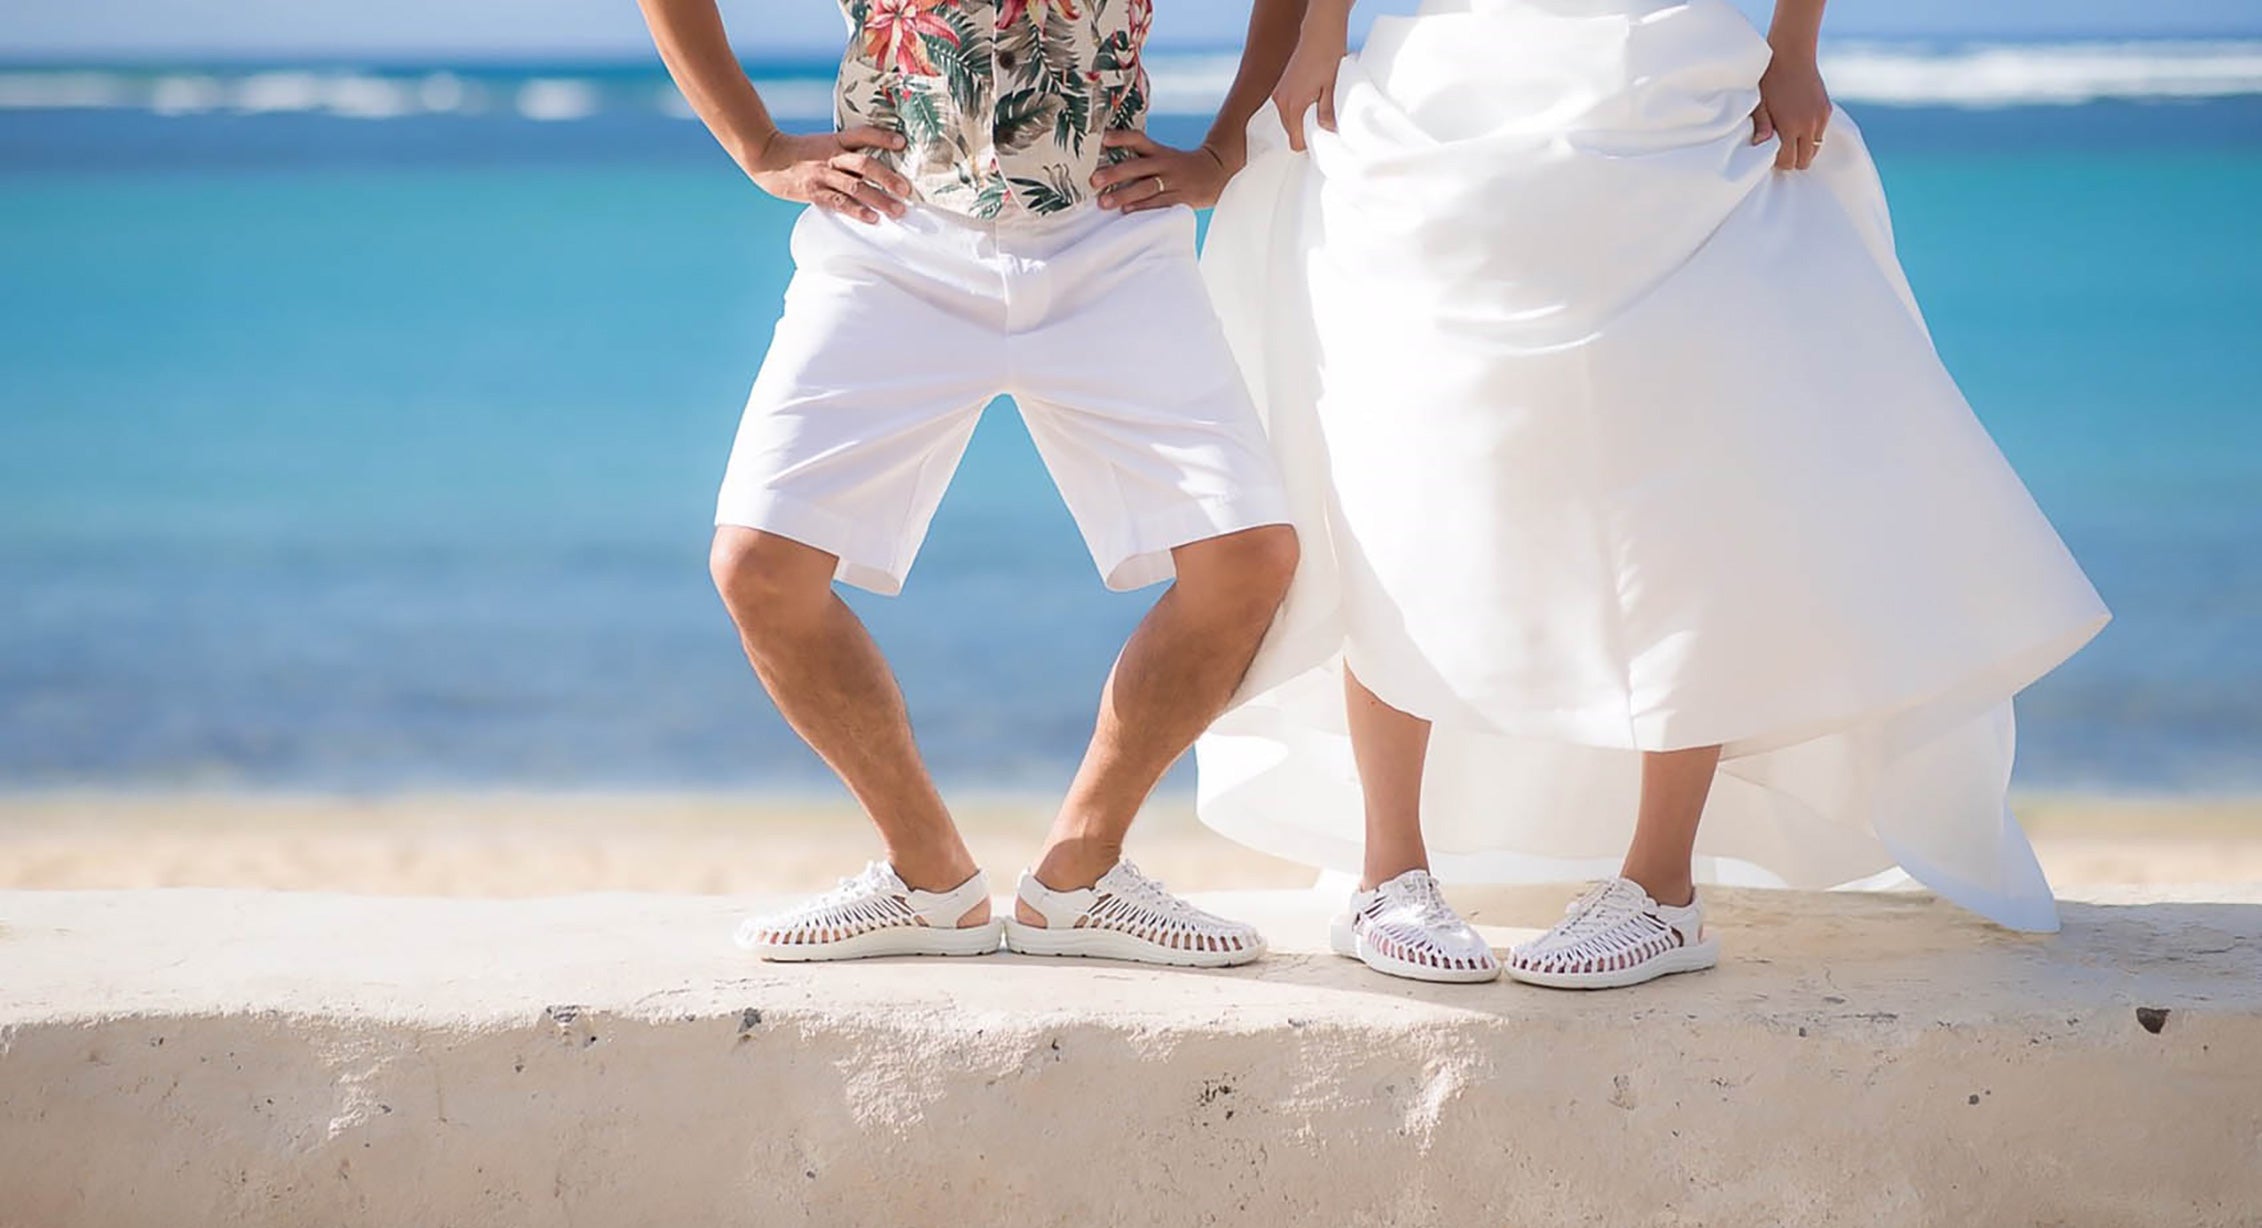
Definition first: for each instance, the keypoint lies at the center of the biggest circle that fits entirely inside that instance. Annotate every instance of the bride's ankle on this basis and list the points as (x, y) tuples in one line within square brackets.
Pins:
[(1378, 873), (1671, 890)]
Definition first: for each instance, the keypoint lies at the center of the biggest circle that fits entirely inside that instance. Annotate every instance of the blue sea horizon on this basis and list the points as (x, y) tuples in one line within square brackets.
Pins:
[(359, 428)]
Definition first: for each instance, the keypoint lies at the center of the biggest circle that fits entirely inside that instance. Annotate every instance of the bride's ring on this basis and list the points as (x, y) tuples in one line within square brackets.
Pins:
[(1160, 186)]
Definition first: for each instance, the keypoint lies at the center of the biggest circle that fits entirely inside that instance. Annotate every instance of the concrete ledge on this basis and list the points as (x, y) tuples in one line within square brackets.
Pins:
[(202, 1057)]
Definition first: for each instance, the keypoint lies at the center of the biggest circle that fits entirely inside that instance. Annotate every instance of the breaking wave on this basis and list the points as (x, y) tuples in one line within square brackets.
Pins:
[(1964, 75)]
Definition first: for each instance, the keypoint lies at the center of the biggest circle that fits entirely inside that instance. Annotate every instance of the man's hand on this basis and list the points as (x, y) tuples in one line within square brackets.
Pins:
[(1793, 105), (832, 171), (1309, 79), (1156, 176)]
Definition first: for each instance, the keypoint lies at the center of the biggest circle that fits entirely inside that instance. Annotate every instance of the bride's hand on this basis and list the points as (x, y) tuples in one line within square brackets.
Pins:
[(1793, 105), (1309, 79)]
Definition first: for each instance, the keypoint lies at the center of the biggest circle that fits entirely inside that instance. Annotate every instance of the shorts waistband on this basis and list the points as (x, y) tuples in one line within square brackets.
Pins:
[(1016, 222)]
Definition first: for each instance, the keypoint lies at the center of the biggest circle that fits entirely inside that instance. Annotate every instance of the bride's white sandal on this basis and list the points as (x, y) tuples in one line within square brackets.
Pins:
[(1405, 928), (1614, 936), (1127, 915), (875, 914)]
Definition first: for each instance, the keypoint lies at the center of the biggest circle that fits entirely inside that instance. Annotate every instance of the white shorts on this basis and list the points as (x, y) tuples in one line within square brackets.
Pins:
[(896, 336)]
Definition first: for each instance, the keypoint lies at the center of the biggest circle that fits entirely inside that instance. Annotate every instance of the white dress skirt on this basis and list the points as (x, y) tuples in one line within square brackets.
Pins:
[(1605, 437)]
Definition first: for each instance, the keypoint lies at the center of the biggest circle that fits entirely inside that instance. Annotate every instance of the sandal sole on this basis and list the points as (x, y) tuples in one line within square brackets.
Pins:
[(1344, 940), (1695, 958), (1107, 944), (879, 944)]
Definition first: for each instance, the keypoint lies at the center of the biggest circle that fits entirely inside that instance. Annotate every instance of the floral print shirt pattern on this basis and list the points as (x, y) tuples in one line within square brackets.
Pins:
[(1003, 104)]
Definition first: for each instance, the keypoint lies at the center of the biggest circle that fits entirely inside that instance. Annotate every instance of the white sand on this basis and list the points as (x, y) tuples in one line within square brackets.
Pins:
[(518, 844), (521, 844), (253, 1058)]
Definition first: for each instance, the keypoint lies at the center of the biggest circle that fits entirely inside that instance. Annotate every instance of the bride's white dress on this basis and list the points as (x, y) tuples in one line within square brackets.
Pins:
[(1605, 437)]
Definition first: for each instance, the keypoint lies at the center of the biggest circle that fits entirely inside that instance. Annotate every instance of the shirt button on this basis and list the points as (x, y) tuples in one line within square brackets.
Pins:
[(1006, 60)]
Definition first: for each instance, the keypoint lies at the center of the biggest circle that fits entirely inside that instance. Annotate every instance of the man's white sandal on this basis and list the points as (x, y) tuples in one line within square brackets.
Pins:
[(1127, 915), (875, 914), (1614, 936), (1405, 928)]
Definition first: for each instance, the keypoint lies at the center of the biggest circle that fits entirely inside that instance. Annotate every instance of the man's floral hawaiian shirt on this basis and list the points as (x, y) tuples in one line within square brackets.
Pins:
[(1002, 103)]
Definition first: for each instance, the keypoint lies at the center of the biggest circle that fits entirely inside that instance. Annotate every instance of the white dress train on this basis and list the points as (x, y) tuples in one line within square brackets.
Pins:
[(1605, 437)]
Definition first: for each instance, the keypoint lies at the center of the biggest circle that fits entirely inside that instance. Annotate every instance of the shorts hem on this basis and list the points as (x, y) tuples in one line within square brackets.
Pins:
[(1142, 557), (866, 562)]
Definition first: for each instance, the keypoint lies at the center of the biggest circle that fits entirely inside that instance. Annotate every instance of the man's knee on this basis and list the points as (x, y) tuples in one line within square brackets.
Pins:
[(764, 578), (1251, 568), (1271, 555)]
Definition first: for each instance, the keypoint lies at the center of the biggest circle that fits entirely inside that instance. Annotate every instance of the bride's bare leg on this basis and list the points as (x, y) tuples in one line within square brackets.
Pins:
[(1390, 748), (1674, 786)]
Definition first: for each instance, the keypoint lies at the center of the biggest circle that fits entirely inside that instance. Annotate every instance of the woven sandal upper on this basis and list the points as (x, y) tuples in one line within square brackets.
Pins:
[(1127, 901), (1408, 919), (1614, 927), (875, 899)]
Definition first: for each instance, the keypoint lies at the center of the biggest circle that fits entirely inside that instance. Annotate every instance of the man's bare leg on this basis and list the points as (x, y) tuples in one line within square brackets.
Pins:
[(827, 677), (1175, 675)]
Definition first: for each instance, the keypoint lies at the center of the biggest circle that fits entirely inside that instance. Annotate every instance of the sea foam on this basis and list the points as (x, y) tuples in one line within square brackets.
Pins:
[(1184, 84), (1982, 75)]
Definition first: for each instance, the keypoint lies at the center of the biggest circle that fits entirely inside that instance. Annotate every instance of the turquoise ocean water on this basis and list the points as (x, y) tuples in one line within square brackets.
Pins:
[(359, 429)]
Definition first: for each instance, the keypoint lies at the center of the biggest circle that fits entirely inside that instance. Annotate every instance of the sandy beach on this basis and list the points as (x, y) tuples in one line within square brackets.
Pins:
[(523, 844)]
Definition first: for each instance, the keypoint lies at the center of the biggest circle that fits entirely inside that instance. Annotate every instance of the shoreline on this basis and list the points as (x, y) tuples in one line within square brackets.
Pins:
[(530, 842)]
